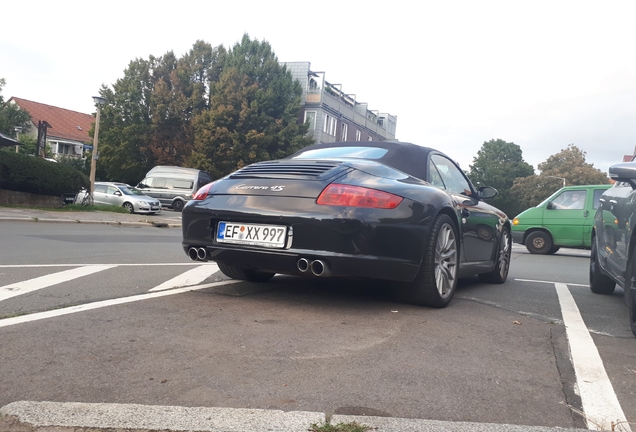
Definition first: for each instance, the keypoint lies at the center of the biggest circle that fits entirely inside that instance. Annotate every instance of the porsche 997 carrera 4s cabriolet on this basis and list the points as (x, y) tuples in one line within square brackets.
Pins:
[(383, 210)]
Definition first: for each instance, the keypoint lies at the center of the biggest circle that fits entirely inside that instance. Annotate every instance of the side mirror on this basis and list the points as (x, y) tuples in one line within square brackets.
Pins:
[(487, 192), (117, 193), (550, 206), (624, 172)]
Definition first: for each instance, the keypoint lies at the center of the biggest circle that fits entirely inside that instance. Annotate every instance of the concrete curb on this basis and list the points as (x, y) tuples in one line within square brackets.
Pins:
[(34, 416), (86, 221)]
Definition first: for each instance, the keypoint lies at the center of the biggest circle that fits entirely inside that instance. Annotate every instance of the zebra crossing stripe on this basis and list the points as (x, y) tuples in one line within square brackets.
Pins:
[(189, 278), (46, 281)]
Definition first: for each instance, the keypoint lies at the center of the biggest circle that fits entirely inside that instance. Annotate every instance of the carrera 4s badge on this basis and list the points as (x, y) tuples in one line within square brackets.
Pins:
[(275, 188)]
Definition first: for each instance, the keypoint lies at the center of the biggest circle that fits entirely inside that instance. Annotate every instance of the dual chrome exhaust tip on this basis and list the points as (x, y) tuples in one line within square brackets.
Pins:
[(198, 254), (316, 267)]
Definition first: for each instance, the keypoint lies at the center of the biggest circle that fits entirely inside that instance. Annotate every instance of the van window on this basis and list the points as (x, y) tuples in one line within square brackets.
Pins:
[(147, 182), (597, 196), (159, 183), (182, 184), (572, 200)]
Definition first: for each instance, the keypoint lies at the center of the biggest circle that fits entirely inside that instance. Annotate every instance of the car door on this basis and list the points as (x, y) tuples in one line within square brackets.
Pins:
[(479, 225), (615, 206), (589, 215), (100, 194), (113, 196), (565, 217)]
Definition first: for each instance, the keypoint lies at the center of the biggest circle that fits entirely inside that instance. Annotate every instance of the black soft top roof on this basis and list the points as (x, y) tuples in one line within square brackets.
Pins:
[(409, 158)]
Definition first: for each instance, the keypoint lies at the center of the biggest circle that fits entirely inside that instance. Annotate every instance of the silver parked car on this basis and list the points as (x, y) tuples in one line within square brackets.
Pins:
[(129, 197), (613, 256)]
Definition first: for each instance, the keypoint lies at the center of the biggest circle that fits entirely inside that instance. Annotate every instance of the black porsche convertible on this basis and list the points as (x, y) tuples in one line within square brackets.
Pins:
[(383, 210)]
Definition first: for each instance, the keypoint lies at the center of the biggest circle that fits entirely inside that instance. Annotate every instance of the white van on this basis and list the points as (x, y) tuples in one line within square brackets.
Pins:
[(173, 185)]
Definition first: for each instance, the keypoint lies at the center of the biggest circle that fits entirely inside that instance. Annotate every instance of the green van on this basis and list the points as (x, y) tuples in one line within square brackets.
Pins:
[(564, 219)]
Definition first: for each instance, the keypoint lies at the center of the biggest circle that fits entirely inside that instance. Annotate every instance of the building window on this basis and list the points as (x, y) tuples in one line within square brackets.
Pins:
[(330, 125), (358, 135), (310, 117), (343, 132)]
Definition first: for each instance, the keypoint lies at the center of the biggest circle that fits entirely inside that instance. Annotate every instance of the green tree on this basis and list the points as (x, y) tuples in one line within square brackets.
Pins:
[(568, 164), (11, 115), (253, 113), (498, 163), (147, 120)]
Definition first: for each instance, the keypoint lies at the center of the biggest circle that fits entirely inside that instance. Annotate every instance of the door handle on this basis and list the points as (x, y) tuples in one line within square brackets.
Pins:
[(586, 213)]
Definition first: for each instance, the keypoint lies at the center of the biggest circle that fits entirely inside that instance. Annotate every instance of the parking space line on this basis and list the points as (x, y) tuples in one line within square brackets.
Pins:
[(600, 404), (100, 304), (189, 278), (30, 285)]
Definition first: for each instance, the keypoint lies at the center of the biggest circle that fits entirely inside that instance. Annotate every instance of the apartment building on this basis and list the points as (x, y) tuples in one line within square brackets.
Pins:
[(335, 116)]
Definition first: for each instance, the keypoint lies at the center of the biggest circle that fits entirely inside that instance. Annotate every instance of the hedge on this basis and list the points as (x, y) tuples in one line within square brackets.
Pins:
[(19, 172)]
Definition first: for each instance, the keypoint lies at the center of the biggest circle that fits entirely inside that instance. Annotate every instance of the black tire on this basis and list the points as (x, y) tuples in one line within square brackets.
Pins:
[(177, 205), (502, 266), (599, 283), (539, 242), (128, 206), (553, 250), (237, 272), (435, 284)]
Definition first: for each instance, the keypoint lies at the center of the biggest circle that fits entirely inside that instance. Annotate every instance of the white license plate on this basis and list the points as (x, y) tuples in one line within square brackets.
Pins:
[(251, 234)]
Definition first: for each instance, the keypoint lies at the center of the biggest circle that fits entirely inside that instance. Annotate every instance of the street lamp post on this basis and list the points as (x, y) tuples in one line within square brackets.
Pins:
[(17, 130), (560, 178), (99, 101)]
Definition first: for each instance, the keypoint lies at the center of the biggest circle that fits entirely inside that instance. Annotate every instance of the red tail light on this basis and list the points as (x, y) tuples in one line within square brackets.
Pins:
[(355, 196), (202, 193)]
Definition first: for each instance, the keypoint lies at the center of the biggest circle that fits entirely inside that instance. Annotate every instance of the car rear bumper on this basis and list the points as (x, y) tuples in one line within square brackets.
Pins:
[(287, 262)]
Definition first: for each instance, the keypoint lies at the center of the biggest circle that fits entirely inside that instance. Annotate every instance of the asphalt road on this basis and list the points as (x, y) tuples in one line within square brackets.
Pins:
[(96, 315)]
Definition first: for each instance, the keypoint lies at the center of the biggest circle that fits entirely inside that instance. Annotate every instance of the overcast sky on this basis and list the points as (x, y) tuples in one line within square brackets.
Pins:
[(541, 74)]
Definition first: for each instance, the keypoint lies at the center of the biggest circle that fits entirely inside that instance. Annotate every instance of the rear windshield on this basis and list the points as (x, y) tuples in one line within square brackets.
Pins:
[(343, 152)]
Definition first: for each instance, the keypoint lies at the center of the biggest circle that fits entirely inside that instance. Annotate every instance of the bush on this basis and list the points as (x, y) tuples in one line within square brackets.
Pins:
[(24, 173)]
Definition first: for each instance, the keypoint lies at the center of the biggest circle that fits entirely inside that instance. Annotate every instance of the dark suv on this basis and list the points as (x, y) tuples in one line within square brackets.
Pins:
[(613, 258)]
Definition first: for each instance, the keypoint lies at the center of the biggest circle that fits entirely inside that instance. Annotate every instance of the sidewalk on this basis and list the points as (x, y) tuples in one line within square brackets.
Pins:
[(86, 417), (95, 217)]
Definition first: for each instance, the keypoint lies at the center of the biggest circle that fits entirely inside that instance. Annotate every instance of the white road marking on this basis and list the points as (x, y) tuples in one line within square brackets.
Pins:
[(189, 278), (600, 404), (96, 305), (87, 264), (30, 285), (552, 282)]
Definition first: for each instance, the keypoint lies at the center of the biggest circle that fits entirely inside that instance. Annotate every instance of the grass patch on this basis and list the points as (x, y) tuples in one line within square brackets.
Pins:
[(340, 427)]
